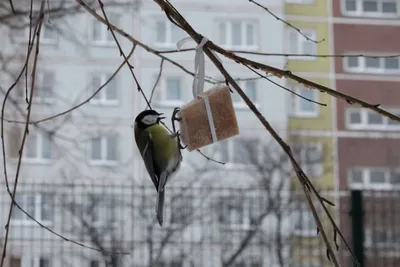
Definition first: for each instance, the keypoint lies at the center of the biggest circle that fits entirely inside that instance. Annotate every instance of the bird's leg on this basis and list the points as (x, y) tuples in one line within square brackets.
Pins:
[(176, 133)]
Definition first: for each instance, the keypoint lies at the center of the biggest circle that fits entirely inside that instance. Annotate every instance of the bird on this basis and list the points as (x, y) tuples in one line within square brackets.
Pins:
[(160, 150)]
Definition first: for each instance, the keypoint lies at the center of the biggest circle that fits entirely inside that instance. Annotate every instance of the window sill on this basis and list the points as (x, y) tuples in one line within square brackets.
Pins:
[(167, 46), (42, 40), (372, 128), (305, 115), (241, 47), (105, 163), (371, 71), (103, 43), (306, 233), (36, 161), (243, 105), (169, 104), (377, 15), (304, 58), (30, 222), (104, 102)]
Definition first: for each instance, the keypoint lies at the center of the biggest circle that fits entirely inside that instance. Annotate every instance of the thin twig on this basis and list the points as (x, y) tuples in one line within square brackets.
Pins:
[(285, 22), (174, 51), (26, 130), (285, 88), (157, 80), (12, 6), (123, 54)]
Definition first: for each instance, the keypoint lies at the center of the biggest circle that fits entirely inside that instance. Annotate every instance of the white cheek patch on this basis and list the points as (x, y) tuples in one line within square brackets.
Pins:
[(150, 119)]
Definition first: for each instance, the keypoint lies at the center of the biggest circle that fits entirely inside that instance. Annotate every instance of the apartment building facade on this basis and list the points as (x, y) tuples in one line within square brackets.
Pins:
[(83, 169), (311, 126), (367, 142)]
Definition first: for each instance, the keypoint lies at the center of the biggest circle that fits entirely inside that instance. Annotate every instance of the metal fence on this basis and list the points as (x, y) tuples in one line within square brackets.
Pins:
[(95, 225)]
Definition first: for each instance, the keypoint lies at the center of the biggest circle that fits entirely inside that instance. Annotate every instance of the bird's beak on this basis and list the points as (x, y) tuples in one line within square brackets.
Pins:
[(161, 118)]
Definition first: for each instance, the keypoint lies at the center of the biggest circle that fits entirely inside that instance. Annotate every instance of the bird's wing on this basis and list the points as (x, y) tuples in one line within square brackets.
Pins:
[(147, 156)]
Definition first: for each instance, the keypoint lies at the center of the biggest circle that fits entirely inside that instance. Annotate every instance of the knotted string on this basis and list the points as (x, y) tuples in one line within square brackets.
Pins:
[(199, 79)]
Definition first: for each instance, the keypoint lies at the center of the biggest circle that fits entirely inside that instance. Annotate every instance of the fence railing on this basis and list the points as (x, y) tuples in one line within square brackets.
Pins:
[(203, 227)]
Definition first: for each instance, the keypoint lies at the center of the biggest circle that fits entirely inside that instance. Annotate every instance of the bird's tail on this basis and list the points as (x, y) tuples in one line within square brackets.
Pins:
[(161, 196), (160, 206)]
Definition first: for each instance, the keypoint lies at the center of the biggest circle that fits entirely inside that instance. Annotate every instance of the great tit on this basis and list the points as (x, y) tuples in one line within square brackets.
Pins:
[(160, 151)]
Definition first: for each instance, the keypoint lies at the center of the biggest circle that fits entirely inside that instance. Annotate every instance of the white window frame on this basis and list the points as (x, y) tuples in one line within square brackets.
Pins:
[(305, 2), (243, 85), (229, 38), (310, 169), (102, 95), (231, 145), (39, 149), (186, 202), (362, 68), (369, 241), (24, 33), (103, 151), (168, 26), (39, 83), (300, 42), (360, 13), (295, 104), (303, 208), (39, 202), (364, 117), (366, 184), (224, 198), (162, 99), (104, 32)]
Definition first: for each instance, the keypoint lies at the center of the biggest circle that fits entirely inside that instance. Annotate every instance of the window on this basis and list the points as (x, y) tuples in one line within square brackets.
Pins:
[(38, 205), (38, 146), (239, 34), (44, 88), (230, 210), (371, 8), (374, 65), (170, 92), (299, 45), (249, 88), (15, 261), (364, 119), (299, 1), (310, 157), (304, 223), (99, 34), (94, 263), (374, 178), (382, 238), (167, 33), (300, 107), (104, 149), (48, 32), (101, 209), (182, 210), (108, 94), (170, 263), (243, 151)]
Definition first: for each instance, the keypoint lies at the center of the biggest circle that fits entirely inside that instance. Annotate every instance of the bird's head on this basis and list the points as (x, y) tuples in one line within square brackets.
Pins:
[(148, 118)]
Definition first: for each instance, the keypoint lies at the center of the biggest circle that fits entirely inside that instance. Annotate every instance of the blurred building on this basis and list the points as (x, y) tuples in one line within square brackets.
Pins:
[(311, 125), (368, 143), (81, 174)]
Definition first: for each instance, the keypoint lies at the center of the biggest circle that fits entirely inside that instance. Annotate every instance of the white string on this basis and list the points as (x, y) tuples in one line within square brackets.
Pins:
[(199, 79)]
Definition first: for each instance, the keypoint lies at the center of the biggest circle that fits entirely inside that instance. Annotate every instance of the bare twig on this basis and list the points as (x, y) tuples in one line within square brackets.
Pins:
[(285, 22), (157, 80), (285, 88), (8, 226)]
